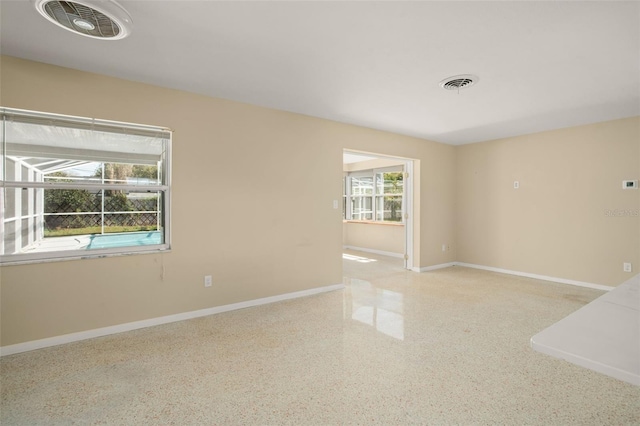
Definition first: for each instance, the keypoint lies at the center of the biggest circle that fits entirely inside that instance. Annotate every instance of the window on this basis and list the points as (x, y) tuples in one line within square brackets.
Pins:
[(374, 195), (76, 187), (361, 197), (389, 190)]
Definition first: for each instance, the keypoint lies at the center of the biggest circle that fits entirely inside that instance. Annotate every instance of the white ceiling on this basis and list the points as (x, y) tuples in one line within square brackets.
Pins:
[(542, 65)]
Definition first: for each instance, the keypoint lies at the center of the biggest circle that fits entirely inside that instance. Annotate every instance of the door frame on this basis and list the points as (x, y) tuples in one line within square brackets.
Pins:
[(407, 201)]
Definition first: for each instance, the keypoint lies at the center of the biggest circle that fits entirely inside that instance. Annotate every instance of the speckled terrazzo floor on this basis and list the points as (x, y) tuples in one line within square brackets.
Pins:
[(395, 347)]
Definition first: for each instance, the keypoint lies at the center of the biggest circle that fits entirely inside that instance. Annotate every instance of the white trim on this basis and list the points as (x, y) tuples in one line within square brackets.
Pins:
[(380, 252), (434, 267), (105, 331), (92, 123), (63, 255), (88, 186), (537, 277), (407, 205)]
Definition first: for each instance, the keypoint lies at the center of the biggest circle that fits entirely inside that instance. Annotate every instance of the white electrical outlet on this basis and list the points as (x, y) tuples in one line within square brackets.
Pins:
[(516, 184), (335, 204), (626, 267), (207, 281)]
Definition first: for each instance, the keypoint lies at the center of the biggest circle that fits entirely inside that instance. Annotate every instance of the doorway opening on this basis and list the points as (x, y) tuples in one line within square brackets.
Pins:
[(377, 205)]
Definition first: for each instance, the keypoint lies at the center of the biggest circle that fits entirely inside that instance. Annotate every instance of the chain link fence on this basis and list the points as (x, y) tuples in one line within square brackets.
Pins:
[(73, 209)]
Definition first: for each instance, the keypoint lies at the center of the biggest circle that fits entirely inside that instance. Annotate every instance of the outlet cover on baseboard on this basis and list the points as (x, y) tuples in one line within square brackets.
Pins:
[(626, 267)]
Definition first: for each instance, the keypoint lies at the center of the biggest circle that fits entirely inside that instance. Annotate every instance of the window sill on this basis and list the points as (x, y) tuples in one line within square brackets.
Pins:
[(15, 260), (374, 222)]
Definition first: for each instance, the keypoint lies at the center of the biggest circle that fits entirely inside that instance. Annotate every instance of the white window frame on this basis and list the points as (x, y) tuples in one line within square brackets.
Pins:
[(372, 173), (31, 186), (351, 196)]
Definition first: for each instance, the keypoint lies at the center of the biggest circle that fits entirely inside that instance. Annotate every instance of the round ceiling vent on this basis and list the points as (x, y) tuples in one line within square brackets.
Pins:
[(458, 82), (102, 19)]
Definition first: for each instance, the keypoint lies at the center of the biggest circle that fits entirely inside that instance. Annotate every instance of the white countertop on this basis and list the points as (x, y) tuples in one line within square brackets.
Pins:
[(603, 336)]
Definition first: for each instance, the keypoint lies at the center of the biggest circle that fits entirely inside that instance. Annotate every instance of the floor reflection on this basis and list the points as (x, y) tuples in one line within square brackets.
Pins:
[(376, 307), (357, 258)]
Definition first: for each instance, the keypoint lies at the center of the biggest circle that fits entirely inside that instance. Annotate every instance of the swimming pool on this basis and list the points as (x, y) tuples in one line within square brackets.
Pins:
[(128, 239)]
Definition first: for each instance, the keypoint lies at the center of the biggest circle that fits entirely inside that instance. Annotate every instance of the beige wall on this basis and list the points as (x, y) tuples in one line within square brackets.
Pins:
[(556, 224), (275, 239), (374, 236)]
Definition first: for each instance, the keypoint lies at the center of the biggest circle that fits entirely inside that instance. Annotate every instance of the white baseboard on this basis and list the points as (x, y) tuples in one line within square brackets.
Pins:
[(434, 267), (105, 331), (383, 253), (536, 276)]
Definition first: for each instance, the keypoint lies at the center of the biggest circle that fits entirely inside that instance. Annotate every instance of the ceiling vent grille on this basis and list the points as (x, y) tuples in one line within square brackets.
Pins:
[(101, 19), (458, 82)]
